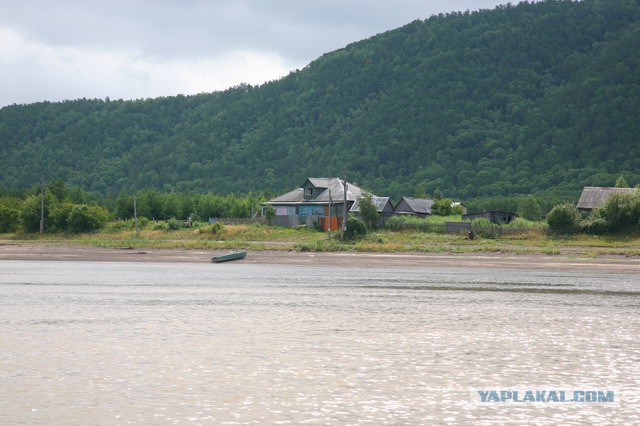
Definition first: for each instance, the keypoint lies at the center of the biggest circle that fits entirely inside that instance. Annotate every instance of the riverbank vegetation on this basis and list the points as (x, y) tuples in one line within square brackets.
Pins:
[(210, 221), (259, 236)]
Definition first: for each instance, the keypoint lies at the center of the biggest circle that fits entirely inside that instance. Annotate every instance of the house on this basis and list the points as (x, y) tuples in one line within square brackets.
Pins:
[(314, 202), (499, 217), (593, 196), (420, 207), (383, 206)]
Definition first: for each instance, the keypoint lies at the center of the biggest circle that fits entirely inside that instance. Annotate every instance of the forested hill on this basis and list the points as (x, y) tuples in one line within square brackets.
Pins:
[(533, 98)]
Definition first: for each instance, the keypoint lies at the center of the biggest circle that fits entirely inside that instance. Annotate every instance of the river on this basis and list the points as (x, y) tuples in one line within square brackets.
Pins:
[(177, 343)]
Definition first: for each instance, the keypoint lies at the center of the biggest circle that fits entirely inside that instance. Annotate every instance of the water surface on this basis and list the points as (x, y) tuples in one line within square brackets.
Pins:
[(140, 343)]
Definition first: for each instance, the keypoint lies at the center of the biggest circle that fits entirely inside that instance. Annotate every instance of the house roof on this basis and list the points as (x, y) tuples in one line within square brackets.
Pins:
[(593, 196), (379, 202), (328, 187), (418, 205)]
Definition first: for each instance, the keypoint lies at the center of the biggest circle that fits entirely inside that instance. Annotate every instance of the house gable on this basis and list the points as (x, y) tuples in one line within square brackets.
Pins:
[(414, 206)]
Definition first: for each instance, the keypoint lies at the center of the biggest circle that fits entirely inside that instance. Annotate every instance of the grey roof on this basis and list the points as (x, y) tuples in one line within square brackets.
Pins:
[(294, 196), (418, 205), (593, 196), (379, 202), (328, 186)]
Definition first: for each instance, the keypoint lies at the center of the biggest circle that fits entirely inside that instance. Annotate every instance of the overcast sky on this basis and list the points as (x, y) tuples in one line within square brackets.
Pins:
[(129, 49)]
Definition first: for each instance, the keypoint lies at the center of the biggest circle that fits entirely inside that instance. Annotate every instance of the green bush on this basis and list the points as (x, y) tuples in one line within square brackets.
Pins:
[(356, 229), (442, 207), (83, 218), (484, 227), (481, 223), (8, 219), (160, 226), (621, 212), (30, 212), (59, 217), (594, 225), (564, 216), (175, 224), (522, 223), (214, 229), (119, 225)]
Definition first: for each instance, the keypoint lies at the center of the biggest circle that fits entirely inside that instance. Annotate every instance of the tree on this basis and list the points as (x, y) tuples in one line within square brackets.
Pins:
[(529, 208), (621, 182), (368, 210), (442, 207), (270, 213), (30, 213), (621, 211)]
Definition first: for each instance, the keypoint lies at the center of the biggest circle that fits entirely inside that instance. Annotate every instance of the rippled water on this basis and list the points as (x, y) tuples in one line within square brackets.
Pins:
[(140, 343)]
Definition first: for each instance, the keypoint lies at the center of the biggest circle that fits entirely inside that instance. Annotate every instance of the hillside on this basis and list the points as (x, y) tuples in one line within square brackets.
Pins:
[(535, 98)]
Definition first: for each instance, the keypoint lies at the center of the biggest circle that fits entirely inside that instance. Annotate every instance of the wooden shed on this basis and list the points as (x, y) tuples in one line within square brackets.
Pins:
[(593, 196), (420, 207)]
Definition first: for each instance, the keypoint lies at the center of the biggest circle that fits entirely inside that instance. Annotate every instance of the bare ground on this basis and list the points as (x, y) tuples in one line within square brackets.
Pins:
[(66, 252)]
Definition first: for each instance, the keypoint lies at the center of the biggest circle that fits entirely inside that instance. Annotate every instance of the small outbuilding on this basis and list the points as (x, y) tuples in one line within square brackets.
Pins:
[(420, 207), (593, 196), (383, 206)]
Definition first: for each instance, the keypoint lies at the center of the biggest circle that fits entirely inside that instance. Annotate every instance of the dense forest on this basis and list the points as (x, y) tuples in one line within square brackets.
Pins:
[(536, 98)]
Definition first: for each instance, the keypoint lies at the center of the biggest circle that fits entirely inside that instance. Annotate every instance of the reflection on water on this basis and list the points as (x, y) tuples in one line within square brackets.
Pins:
[(109, 343)]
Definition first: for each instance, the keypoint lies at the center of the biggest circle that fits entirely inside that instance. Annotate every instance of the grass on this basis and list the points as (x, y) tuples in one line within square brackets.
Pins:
[(262, 237)]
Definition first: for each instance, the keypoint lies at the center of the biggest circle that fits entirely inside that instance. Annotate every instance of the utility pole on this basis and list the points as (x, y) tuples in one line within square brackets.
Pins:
[(42, 205), (344, 209), (135, 213), (330, 206)]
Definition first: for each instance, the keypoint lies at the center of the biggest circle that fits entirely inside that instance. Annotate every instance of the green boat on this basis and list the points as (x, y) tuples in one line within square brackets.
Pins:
[(229, 256)]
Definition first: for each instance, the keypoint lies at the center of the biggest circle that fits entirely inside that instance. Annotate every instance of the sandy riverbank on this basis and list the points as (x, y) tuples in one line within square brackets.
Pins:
[(65, 252)]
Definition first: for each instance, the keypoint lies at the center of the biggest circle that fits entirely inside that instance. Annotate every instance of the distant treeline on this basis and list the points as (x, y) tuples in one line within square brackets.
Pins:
[(74, 210)]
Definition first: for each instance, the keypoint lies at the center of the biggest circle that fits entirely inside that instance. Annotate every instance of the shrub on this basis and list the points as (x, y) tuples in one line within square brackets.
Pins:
[(442, 207), (368, 210), (215, 229), (8, 219), (594, 225), (522, 223), (356, 229), (564, 216), (83, 218), (160, 226), (480, 223), (621, 212), (30, 212), (120, 225), (486, 228), (59, 218), (175, 224)]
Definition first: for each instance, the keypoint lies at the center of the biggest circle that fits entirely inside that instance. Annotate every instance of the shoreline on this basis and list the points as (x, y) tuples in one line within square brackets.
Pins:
[(69, 252)]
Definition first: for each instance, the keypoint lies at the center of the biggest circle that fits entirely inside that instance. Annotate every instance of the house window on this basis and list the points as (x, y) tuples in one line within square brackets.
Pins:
[(308, 192)]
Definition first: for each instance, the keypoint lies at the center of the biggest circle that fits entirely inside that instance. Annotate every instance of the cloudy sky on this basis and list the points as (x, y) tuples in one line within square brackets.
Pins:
[(69, 49)]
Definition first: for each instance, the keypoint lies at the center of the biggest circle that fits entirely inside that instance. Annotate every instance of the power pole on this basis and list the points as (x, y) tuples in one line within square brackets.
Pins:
[(135, 213), (344, 209), (330, 206), (42, 205)]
